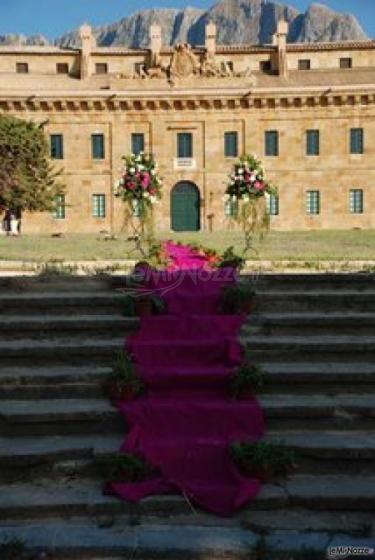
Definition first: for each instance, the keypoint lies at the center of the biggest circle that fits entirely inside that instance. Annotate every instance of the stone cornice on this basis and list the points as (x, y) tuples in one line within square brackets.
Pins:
[(174, 100)]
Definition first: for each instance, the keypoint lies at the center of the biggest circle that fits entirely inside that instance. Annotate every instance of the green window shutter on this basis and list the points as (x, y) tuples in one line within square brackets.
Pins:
[(184, 145), (271, 143), (231, 144), (98, 205), (312, 142), (356, 140), (313, 202), (356, 201), (59, 209), (57, 146), (272, 202), (97, 143), (138, 143)]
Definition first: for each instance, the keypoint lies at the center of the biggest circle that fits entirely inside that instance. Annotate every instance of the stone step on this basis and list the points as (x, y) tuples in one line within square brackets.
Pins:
[(81, 497), (310, 323), (287, 281), (66, 416), (316, 452), (38, 326), (287, 301), (52, 382), (74, 303), (65, 350), (72, 539)]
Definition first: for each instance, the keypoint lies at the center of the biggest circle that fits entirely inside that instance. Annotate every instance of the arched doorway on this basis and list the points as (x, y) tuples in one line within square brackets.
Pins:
[(185, 207)]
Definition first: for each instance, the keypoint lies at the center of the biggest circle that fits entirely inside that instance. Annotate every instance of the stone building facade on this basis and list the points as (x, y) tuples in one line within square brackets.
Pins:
[(307, 110)]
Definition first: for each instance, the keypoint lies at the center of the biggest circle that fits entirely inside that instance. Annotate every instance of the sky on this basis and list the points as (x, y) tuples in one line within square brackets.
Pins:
[(55, 17)]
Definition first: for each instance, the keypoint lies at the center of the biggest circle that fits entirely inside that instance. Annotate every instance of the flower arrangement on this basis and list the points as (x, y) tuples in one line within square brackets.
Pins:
[(248, 181), (124, 467), (237, 298), (140, 184), (263, 460), (247, 381), (230, 259), (123, 383)]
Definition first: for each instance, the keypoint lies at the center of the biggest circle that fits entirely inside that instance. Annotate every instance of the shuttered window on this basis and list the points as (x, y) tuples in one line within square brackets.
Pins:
[(59, 209), (271, 147), (184, 145), (97, 144), (356, 141), (312, 142), (57, 146), (313, 202), (272, 205), (98, 205), (230, 144), (138, 143), (356, 201)]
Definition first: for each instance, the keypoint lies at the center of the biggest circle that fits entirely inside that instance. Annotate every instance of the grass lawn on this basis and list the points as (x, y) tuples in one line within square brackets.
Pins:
[(302, 246)]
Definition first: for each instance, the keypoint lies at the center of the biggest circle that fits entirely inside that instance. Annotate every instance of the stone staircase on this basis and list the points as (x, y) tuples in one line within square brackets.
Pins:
[(315, 337)]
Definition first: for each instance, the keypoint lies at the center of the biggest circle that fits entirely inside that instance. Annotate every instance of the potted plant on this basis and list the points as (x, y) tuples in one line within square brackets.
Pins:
[(230, 259), (237, 298), (124, 467), (124, 383), (247, 381), (263, 460)]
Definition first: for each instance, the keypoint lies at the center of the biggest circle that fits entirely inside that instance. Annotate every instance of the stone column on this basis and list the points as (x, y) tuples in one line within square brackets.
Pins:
[(282, 60), (210, 39), (88, 42)]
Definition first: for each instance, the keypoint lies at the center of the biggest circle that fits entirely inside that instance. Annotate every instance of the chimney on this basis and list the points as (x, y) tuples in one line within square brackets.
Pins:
[(210, 40), (282, 61), (155, 43), (88, 42)]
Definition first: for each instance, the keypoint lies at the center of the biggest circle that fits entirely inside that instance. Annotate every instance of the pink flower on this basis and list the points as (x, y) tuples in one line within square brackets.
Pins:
[(131, 186), (145, 181), (259, 185)]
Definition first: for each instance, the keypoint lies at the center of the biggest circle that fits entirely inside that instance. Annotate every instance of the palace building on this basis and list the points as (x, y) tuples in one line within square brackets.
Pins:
[(307, 110)]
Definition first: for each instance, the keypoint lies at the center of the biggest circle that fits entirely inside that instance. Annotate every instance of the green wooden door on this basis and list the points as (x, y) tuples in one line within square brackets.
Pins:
[(185, 207)]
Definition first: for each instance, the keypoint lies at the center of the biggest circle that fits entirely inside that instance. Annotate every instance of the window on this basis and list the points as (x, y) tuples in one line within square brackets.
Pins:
[(101, 68), (356, 201), (138, 143), (271, 147), (59, 210), (272, 202), (184, 145), (265, 66), (346, 63), (313, 202), (231, 144), (304, 64), (22, 68), (356, 141), (62, 68), (57, 146), (98, 205), (312, 142), (97, 145)]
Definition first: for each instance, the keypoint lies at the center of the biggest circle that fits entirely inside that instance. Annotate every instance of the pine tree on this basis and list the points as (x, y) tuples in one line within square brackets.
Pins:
[(27, 179)]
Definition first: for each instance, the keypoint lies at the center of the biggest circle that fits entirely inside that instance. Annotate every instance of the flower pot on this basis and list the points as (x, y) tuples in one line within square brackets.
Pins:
[(143, 306), (247, 306)]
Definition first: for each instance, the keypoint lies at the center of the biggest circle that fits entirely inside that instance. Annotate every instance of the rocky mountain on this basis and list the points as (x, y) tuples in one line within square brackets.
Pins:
[(238, 21), (23, 40)]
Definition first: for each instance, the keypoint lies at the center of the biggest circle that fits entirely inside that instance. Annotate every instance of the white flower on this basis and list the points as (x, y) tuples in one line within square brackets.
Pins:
[(234, 198), (153, 172), (240, 171), (153, 199), (146, 194), (252, 178), (132, 170), (246, 198), (141, 167), (226, 197)]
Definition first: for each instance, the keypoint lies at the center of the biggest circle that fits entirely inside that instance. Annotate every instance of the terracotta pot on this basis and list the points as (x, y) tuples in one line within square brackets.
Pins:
[(143, 306), (247, 306), (125, 393)]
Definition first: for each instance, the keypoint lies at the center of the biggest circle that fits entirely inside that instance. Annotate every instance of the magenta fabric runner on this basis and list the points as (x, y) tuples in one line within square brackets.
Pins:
[(185, 423)]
